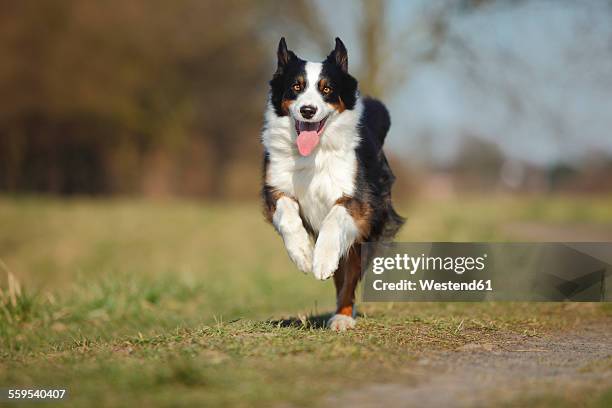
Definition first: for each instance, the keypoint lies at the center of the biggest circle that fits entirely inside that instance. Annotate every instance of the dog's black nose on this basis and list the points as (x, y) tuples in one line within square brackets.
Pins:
[(308, 111)]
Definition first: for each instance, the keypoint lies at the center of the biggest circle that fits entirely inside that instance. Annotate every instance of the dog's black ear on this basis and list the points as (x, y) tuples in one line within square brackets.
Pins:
[(284, 55), (339, 55)]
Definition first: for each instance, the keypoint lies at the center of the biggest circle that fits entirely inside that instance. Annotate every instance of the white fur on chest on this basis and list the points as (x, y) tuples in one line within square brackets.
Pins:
[(318, 180), (316, 184)]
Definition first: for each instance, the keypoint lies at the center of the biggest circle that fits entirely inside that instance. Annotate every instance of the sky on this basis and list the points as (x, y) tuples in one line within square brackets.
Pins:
[(536, 78)]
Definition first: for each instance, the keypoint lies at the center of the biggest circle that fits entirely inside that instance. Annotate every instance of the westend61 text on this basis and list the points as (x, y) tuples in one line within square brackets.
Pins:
[(432, 285)]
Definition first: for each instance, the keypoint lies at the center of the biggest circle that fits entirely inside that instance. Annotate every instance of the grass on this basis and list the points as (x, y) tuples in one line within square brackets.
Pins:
[(179, 303)]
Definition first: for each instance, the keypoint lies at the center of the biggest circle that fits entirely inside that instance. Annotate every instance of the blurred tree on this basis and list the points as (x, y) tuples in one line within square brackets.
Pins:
[(478, 164), (135, 96), (158, 97), (389, 56), (374, 46)]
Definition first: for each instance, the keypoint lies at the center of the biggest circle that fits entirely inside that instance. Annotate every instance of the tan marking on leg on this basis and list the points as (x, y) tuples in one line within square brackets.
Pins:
[(351, 269), (361, 213), (346, 310), (272, 196)]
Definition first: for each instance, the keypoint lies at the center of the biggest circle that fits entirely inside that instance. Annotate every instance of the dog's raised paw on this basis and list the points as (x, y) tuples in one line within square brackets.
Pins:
[(300, 251), (326, 257), (324, 268), (340, 322)]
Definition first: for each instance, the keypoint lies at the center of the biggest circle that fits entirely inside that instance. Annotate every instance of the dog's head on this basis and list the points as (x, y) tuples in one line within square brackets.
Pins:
[(312, 93)]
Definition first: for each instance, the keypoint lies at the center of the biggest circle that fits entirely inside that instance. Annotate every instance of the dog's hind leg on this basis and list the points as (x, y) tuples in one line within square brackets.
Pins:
[(346, 280), (339, 277)]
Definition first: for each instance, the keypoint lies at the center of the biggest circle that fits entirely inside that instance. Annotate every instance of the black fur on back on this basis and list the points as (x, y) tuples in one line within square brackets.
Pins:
[(374, 175), (376, 118)]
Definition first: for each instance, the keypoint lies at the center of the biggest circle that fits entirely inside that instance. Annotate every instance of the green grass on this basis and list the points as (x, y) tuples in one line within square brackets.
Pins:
[(178, 303)]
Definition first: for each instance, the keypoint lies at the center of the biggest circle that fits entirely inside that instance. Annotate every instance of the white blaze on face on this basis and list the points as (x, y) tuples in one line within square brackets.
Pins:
[(309, 130), (311, 95)]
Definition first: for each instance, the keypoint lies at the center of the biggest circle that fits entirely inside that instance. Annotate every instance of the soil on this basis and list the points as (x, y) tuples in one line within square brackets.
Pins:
[(564, 365)]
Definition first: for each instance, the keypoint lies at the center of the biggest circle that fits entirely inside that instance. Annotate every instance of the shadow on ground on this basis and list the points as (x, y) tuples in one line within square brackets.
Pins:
[(312, 322)]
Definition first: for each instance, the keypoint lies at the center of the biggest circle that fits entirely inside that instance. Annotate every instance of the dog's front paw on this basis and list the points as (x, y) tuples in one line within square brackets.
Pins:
[(340, 322), (300, 251), (326, 257)]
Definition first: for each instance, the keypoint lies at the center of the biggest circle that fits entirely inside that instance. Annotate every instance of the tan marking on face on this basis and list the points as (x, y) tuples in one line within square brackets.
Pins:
[(302, 81), (286, 105), (339, 106), (323, 84)]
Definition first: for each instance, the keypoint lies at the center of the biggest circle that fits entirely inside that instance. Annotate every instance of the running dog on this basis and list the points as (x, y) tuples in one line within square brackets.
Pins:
[(326, 182)]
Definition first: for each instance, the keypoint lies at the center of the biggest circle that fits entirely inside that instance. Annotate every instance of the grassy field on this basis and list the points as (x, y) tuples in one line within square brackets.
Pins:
[(180, 303)]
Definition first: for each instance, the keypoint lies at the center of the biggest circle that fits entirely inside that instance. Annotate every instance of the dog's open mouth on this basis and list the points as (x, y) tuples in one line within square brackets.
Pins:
[(309, 134)]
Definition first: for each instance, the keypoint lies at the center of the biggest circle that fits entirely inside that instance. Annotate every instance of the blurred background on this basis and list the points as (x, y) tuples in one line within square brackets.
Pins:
[(130, 173), (156, 99)]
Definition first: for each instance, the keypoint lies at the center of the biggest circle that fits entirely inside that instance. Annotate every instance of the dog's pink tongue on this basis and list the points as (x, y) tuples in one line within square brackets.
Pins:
[(307, 140)]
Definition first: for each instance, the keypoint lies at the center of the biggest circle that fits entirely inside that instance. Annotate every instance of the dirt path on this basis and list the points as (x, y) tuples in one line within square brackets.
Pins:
[(511, 370)]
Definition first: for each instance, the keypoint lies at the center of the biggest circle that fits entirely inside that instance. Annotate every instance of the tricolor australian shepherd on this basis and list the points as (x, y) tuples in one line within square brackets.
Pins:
[(327, 183)]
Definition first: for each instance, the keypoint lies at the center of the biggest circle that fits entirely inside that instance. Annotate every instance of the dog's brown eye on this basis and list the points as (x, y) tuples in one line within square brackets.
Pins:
[(297, 87), (327, 90)]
